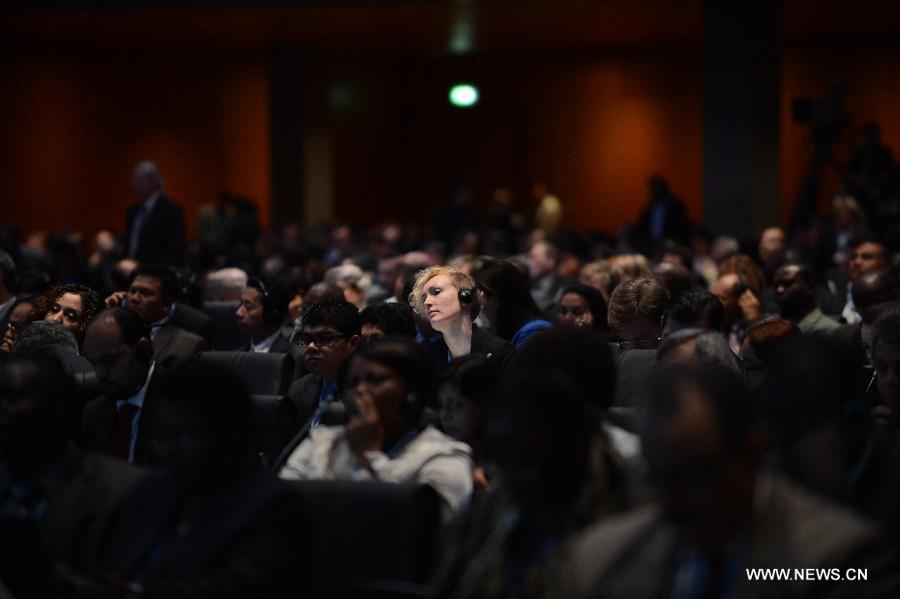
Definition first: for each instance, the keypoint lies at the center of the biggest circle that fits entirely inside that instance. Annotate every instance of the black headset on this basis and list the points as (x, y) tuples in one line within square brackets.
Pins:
[(273, 314), (466, 296)]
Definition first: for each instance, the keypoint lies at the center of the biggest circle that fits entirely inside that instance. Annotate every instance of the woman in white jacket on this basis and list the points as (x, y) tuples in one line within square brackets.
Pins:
[(385, 386)]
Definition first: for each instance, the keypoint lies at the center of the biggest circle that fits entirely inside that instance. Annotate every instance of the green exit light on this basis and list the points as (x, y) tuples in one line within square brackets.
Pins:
[(464, 95)]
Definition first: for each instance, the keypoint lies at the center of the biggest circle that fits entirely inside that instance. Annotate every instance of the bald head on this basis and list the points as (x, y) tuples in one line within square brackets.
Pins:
[(872, 288)]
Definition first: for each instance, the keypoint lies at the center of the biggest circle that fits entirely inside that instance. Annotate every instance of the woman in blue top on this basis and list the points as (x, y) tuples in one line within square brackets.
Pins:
[(507, 303)]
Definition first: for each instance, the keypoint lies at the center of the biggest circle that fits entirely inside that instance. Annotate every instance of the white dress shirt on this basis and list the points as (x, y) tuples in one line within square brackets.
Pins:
[(264, 346)]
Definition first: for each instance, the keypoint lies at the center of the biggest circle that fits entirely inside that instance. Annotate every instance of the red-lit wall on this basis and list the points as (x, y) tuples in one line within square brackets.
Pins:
[(590, 126), (592, 129), (75, 123)]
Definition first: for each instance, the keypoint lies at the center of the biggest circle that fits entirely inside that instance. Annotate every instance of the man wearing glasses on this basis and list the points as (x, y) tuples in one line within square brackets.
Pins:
[(329, 331)]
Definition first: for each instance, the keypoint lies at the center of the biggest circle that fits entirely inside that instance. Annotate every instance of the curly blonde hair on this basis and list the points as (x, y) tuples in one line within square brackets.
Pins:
[(458, 278)]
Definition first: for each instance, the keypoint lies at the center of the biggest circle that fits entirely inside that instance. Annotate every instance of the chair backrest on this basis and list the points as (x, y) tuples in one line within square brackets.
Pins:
[(262, 373), (274, 423), (370, 535), (228, 335)]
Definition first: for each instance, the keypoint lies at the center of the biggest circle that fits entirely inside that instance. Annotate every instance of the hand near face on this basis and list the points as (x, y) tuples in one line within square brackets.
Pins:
[(118, 298), (365, 431), (9, 338), (750, 306)]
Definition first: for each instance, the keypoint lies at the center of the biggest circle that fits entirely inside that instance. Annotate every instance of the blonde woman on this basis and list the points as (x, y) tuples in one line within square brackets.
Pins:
[(448, 299)]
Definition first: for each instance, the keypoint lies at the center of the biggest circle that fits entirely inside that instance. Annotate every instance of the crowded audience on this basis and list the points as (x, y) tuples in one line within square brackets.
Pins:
[(559, 414)]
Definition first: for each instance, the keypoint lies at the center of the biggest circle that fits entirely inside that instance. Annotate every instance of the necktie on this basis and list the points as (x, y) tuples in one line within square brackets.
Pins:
[(120, 443)]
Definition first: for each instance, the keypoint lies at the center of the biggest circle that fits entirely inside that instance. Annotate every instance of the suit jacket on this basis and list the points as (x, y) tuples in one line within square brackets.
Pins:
[(194, 321), (82, 493), (98, 421), (817, 323), (634, 555), (173, 346), (243, 539), (303, 395), (162, 235), (484, 342)]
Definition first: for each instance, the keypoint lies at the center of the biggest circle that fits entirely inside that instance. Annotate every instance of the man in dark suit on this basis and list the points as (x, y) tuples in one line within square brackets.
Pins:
[(120, 422), (154, 227), (719, 515), (262, 311), (152, 294), (67, 497), (209, 523), (330, 331)]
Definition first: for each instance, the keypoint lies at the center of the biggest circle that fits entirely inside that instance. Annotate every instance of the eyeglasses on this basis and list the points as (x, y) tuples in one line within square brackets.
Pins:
[(321, 340)]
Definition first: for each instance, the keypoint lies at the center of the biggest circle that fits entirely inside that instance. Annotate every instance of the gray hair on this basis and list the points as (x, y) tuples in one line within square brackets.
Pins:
[(710, 347), (149, 170), (42, 334), (225, 284)]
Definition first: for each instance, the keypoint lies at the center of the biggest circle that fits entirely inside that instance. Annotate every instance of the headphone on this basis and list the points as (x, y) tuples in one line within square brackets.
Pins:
[(273, 313), (466, 296)]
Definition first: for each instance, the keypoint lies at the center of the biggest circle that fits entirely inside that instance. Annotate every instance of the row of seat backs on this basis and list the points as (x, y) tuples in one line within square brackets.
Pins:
[(372, 539), (227, 334)]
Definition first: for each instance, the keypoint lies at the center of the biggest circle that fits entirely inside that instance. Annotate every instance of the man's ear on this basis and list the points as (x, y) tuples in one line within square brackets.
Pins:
[(144, 349), (354, 341)]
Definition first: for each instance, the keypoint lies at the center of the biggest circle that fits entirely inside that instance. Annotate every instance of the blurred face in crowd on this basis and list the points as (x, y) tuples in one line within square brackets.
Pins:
[(145, 297), (540, 262), (18, 318), (705, 487), (250, 314), (866, 257), (294, 307), (121, 370), (441, 302), (793, 294), (458, 415), (772, 246), (324, 348), (488, 301), (886, 360), (372, 385), (574, 310), (725, 288), (68, 310)]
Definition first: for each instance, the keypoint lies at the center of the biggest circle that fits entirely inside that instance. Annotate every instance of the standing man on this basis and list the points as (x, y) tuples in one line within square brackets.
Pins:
[(154, 227)]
